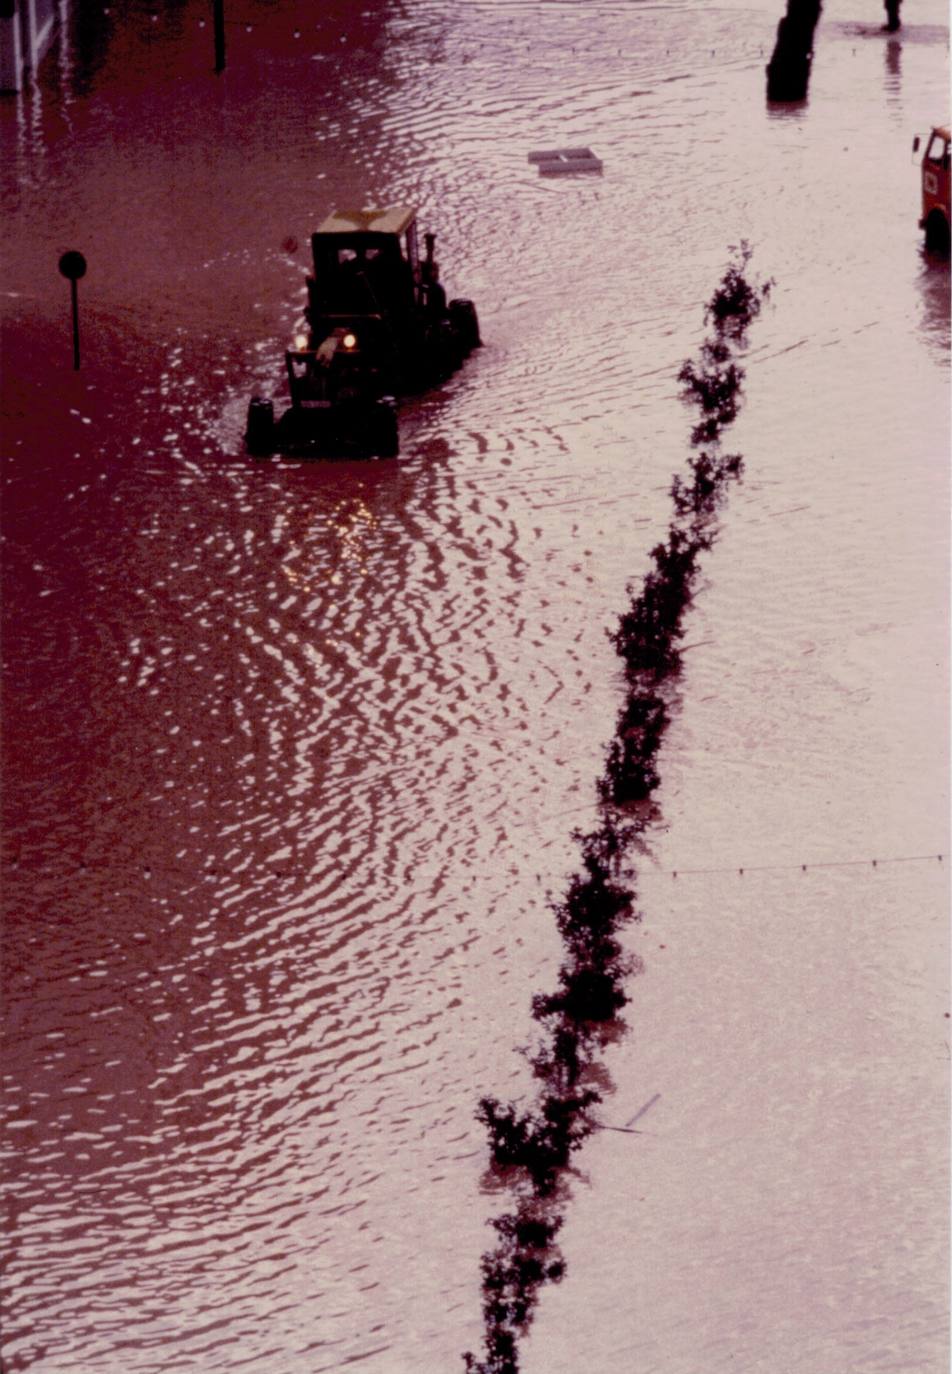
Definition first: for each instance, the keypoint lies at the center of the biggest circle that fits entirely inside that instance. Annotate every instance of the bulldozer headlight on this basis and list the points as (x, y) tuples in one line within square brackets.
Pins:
[(300, 342), (349, 341)]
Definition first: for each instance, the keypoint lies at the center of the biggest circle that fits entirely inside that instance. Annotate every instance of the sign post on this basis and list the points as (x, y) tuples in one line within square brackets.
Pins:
[(73, 266), (218, 7)]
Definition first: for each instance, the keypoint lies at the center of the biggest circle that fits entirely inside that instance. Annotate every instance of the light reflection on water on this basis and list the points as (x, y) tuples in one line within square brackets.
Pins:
[(293, 750)]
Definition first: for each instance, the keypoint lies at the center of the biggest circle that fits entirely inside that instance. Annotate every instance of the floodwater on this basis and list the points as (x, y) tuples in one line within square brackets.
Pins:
[(293, 751)]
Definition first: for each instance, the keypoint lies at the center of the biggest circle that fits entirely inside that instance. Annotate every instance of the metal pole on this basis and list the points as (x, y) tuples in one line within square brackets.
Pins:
[(75, 294), (219, 11), (72, 265)]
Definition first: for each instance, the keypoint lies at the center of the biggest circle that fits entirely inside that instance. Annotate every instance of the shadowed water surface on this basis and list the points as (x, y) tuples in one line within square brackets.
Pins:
[(293, 751)]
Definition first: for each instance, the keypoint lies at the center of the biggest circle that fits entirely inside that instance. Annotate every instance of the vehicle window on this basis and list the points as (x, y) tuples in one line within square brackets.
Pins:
[(938, 151)]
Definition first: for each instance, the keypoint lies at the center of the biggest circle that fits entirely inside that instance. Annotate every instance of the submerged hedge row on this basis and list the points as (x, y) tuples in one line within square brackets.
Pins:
[(538, 1141)]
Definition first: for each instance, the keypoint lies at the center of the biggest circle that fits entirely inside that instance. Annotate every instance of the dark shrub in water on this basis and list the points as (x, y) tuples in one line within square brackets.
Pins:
[(593, 908), (648, 632), (559, 1062), (538, 1141), (567, 1121), (524, 1258), (501, 1356), (608, 844), (705, 492), (590, 980), (509, 1130), (630, 772), (527, 1230), (716, 390), (587, 994), (676, 562), (737, 302)]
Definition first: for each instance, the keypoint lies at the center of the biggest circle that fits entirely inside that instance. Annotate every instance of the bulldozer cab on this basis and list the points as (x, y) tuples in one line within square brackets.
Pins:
[(366, 263)]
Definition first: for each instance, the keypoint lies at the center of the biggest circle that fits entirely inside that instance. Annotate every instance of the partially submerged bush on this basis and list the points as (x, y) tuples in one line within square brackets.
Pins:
[(737, 301), (526, 1230), (559, 1062), (628, 777), (676, 563), (630, 771), (648, 632), (509, 1130), (539, 1141), (590, 980), (594, 907), (607, 845), (524, 1259), (704, 493), (586, 993), (501, 1352), (716, 391)]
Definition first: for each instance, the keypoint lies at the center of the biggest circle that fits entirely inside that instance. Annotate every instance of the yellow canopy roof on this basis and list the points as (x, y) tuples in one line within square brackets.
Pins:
[(393, 219)]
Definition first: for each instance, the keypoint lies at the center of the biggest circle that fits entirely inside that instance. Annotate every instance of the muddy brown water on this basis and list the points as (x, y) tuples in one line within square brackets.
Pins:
[(293, 751)]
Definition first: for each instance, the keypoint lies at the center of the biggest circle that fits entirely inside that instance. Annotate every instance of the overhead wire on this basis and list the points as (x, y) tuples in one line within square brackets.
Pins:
[(285, 870)]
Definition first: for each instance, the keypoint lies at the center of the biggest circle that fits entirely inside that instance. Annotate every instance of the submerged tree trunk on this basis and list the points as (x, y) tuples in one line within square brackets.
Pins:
[(893, 21), (788, 71)]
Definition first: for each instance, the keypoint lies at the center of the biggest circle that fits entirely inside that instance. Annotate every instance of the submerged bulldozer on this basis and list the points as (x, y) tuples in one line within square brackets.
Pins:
[(379, 327)]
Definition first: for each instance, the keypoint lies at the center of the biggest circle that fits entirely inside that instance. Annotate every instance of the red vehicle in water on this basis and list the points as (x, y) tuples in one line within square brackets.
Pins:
[(935, 188)]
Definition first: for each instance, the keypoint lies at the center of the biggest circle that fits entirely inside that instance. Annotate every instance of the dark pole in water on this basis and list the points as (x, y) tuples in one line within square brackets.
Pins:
[(893, 21), (73, 266), (219, 10), (788, 71)]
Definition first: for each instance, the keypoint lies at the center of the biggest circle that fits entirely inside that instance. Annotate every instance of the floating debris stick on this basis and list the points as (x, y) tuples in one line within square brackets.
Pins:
[(641, 1111)]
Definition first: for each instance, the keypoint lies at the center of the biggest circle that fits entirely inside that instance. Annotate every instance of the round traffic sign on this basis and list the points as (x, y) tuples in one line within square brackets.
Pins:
[(73, 265)]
